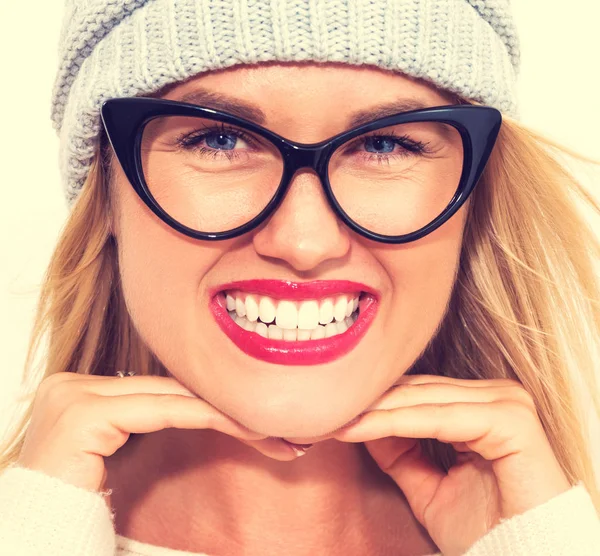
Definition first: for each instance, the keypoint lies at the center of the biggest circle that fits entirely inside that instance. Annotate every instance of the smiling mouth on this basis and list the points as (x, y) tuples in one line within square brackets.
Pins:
[(292, 321)]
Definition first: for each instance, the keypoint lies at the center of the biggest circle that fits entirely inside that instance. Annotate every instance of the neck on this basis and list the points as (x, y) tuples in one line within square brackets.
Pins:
[(205, 491)]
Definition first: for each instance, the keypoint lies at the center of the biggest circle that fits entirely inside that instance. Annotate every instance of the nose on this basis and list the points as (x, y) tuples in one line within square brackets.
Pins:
[(304, 231)]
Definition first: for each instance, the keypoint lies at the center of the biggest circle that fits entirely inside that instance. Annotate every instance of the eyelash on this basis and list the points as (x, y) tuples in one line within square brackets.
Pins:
[(185, 141), (414, 147)]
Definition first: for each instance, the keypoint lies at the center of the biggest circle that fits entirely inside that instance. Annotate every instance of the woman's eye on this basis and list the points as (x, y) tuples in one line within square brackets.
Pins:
[(218, 140), (221, 141), (217, 143), (376, 144), (379, 147)]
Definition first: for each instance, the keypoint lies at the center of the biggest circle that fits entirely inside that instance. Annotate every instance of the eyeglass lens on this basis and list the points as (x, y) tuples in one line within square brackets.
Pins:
[(213, 177)]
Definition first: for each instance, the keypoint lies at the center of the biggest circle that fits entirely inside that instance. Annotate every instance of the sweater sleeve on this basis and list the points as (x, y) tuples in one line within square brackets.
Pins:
[(42, 515), (566, 525)]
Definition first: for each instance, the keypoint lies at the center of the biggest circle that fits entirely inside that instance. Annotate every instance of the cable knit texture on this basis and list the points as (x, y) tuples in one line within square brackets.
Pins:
[(40, 514), (124, 48)]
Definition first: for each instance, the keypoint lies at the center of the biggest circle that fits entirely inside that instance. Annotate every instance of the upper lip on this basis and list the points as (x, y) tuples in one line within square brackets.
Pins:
[(285, 289)]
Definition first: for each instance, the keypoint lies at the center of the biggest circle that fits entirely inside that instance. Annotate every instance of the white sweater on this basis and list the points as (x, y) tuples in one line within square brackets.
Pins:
[(44, 516)]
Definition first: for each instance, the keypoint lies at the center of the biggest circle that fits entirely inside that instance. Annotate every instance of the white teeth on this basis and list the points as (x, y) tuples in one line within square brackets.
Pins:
[(341, 326), (287, 315), (245, 323), (339, 308), (261, 328), (240, 307), (326, 311), (290, 335), (266, 309), (290, 320), (318, 333), (275, 333), (251, 308), (351, 306), (308, 315), (331, 330), (304, 334)]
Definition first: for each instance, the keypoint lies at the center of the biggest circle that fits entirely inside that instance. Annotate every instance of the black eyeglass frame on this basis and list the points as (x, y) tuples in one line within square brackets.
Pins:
[(124, 120)]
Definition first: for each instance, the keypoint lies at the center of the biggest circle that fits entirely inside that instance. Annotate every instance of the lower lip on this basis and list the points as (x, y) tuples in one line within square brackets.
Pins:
[(302, 352)]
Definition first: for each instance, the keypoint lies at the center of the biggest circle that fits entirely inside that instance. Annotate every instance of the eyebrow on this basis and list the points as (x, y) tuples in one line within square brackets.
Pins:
[(242, 109), (225, 103)]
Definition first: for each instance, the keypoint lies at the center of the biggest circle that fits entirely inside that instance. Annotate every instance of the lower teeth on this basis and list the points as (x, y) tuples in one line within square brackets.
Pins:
[(273, 332)]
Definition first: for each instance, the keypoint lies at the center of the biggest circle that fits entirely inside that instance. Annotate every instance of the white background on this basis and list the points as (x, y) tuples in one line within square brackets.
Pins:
[(558, 92)]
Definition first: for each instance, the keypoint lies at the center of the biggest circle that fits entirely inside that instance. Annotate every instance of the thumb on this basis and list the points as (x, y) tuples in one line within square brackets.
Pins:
[(403, 460)]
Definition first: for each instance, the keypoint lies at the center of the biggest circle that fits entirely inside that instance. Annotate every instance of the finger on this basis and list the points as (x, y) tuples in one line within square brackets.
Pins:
[(405, 463), (433, 392), (109, 386), (474, 382), (272, 447), (114, 386), (493, 430), (142, 384), (145, 413)]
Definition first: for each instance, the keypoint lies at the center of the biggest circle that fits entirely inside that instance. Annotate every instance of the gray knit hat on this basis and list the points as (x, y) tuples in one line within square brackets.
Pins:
[(121, 48)]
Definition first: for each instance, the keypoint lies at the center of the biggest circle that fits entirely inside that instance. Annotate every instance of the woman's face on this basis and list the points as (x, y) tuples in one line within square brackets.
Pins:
[(168, 278)]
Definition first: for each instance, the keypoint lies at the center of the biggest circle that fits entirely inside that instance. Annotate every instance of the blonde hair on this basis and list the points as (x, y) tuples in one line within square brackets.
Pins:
[(525, 303)]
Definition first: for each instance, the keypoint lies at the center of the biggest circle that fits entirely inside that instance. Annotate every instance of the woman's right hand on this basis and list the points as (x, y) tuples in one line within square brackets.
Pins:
[(78, 420)]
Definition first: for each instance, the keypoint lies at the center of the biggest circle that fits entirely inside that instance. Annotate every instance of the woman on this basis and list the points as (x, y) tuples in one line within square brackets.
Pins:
[(273, 249)]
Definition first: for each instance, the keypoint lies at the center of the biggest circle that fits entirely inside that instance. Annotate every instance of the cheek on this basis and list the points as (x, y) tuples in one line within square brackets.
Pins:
[(423, 285), (422, 275), (430, 263), (162, 275)]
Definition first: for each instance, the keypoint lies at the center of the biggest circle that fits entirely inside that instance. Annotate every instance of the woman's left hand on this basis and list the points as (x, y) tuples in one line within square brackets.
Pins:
[(505, 466)]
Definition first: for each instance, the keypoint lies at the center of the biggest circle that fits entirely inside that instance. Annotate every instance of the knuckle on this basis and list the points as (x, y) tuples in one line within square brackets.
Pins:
[(521, 421), (106, 435), (169, 408), (522, 396), (88, 421), (56, 391), (52, 381), (210, 421), (516, 410)]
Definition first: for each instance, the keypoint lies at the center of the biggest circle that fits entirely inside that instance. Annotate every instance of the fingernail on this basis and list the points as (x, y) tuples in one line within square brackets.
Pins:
[(299, 449)]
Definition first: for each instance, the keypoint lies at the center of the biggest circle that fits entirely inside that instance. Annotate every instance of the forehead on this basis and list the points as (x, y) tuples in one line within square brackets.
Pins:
[(296, 94)]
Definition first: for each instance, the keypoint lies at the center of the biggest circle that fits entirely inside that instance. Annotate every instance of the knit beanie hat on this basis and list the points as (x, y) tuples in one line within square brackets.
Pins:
[(124, 48)]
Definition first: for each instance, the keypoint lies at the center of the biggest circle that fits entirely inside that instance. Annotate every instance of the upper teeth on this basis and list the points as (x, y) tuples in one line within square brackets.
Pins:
[(289, 315)]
